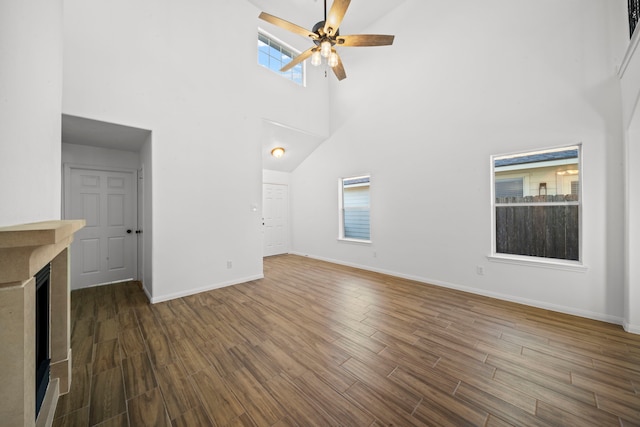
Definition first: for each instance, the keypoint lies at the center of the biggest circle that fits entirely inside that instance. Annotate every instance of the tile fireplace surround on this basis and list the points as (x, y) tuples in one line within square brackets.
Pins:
[(24, 250)]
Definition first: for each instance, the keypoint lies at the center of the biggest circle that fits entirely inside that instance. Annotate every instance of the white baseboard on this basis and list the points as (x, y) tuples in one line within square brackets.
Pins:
[(188, 292), (146, 292), (505, 297), (632, 329)]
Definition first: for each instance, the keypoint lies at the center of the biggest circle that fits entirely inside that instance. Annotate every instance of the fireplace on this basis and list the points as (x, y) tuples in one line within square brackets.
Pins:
[(35, 350), (42, 334)]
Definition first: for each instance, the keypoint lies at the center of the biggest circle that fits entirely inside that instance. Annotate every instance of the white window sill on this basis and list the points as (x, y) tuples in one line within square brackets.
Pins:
[(364, 242), (538, 262)]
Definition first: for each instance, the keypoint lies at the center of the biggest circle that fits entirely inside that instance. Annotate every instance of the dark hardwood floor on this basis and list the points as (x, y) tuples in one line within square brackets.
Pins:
[(316, 344)]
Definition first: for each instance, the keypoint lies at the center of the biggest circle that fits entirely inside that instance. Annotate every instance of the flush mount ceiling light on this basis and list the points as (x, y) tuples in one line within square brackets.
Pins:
[(277, 152), (325, 36)]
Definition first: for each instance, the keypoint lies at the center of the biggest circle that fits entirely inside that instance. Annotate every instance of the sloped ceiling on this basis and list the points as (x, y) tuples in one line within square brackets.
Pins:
[(298, 145), (305, 13)]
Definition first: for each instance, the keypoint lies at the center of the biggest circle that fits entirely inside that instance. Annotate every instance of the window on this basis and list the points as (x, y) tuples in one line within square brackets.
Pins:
[(537, 204), (509, 187), (274, 55), (354, 208)]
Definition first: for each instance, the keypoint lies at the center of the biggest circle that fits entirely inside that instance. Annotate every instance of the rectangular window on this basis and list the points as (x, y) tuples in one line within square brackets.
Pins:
[(537, 203), (355, 208), (509, 187), (273, 54)]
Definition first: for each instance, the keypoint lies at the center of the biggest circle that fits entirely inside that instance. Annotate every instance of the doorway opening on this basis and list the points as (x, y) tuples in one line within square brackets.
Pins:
[(107, 181), (275, 218)]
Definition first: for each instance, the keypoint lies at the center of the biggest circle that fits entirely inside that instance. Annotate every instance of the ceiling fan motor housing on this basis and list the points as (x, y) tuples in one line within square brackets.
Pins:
[(320, 26)]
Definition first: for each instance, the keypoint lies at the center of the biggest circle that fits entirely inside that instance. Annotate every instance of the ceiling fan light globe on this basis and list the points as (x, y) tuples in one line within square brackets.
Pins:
[(316, 58), (325, 48), (333, 59)]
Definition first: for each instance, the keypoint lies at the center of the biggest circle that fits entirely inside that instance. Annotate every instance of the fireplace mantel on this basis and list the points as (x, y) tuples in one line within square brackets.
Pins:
[(24, 250)]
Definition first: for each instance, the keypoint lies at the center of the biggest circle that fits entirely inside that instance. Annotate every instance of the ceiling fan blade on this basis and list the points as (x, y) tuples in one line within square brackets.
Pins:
[(335, 16), (338, 70), (298, 59), (287, 25), (365, 40)]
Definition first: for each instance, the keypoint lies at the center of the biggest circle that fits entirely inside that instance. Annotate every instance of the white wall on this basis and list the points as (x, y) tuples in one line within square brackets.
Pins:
[(463, 81), (630, 85), (30, 108), (632, 270), (629, 81), (188, 71)]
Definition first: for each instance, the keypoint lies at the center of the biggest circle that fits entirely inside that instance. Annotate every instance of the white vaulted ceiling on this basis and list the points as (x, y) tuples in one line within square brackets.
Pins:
[(306, 13), (298, 143)]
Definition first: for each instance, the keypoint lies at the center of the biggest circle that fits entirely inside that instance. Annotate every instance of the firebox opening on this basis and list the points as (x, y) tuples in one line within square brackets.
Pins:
[(42, 334)]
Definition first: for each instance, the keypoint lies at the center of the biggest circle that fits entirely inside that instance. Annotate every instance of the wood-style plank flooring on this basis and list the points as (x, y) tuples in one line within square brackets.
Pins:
[(316, 344)]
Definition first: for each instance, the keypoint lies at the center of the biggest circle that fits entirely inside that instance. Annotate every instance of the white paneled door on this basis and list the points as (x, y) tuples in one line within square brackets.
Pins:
[(105, 250), (275, 211)]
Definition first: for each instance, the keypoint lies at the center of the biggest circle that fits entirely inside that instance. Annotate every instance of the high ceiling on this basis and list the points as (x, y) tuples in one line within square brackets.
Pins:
[(306, 13), (297, 143)]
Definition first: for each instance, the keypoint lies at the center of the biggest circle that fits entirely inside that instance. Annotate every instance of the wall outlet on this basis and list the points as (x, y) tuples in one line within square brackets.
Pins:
[(229, 264), (479, 270)]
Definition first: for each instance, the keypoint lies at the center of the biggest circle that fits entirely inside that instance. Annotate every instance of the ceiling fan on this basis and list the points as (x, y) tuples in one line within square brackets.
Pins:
[(326, 37)]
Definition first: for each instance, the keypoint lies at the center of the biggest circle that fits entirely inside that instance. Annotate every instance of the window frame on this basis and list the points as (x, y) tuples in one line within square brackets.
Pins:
[(530, 260), (341, 209), (288, 75)]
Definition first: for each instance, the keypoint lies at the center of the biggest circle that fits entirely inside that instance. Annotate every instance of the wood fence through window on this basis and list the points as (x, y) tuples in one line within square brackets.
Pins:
[(541, 226)]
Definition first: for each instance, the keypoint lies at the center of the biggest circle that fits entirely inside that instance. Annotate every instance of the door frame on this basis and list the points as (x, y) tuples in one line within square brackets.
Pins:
[(66, 197), (139, 224)]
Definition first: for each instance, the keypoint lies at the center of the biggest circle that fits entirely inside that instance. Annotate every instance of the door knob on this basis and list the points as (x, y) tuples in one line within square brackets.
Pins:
[(129, 231)]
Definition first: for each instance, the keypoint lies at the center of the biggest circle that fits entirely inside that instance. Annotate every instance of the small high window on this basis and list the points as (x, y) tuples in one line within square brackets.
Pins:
[(355, 208), (537, 203), (274, 54)]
